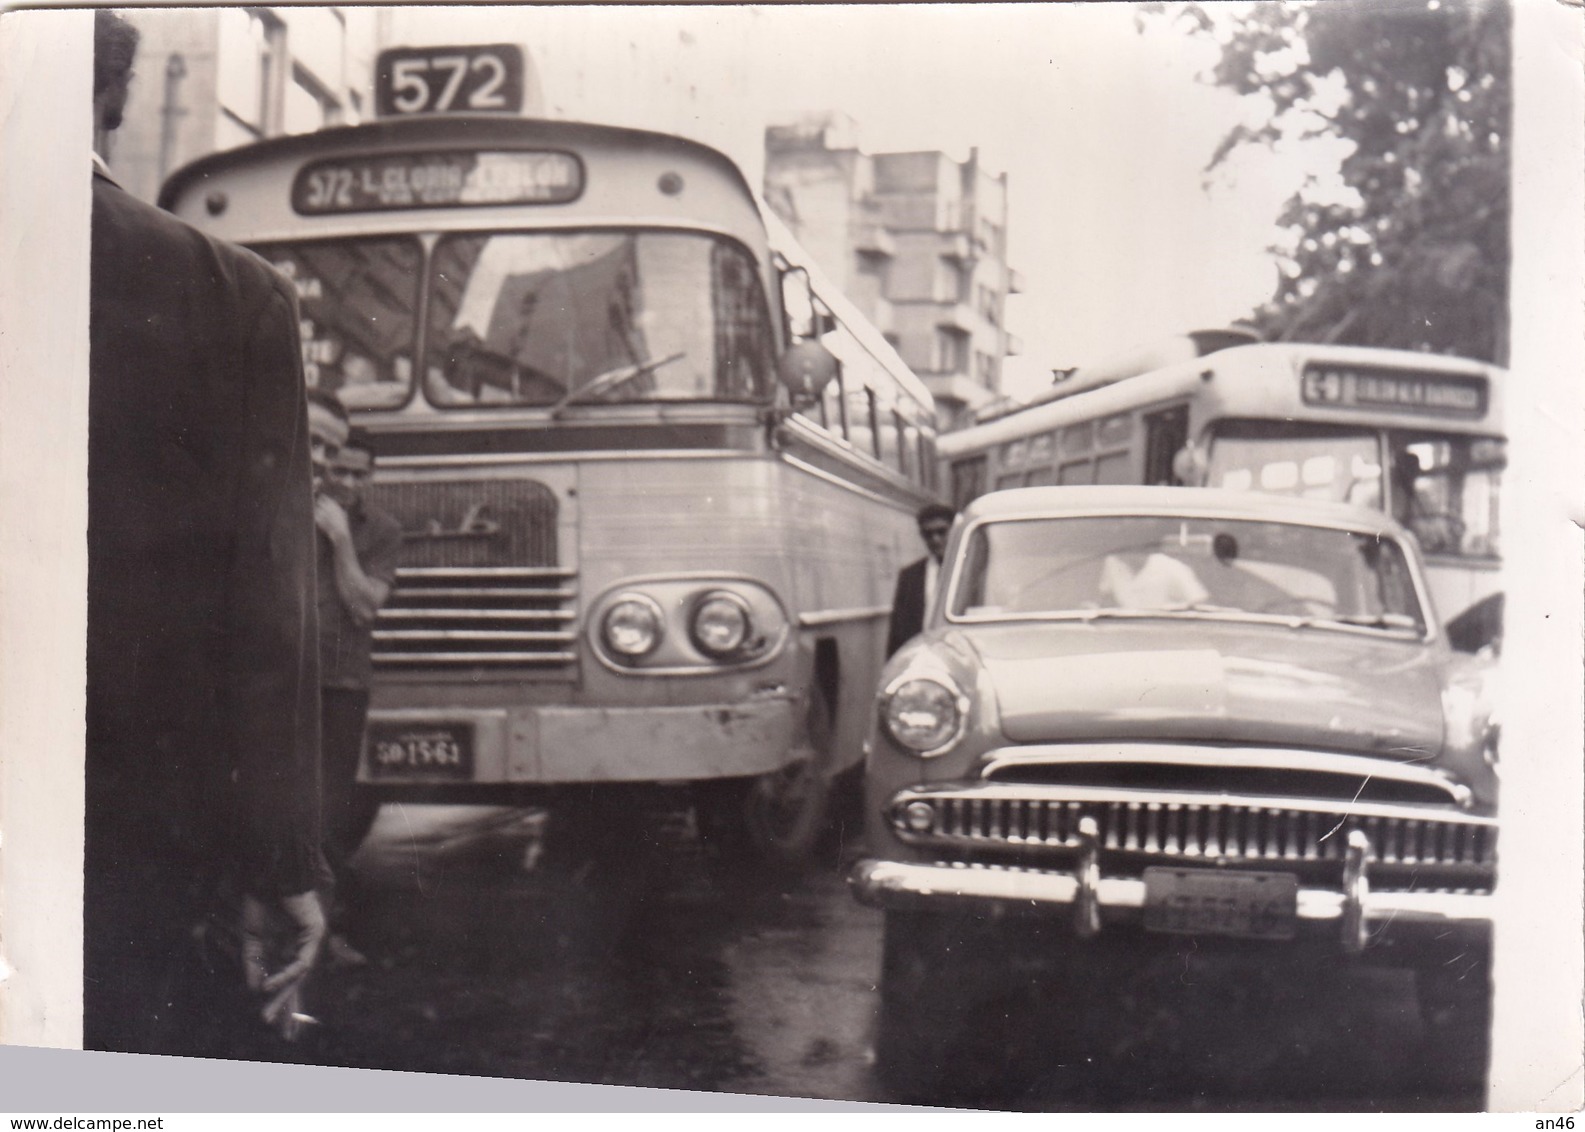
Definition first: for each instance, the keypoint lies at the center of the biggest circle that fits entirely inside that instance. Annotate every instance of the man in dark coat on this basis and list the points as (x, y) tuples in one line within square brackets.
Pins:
[(202, 847), (916, 582)]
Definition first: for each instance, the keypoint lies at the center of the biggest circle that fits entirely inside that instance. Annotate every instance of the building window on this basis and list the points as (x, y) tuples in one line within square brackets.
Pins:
[(985, 368), (309, 106), (953, 283), (252, 68), (952, 351), (988, 304)]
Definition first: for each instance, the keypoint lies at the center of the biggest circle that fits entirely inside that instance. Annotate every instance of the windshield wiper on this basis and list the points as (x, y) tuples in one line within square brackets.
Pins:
[(1378, 620), (610, 379)]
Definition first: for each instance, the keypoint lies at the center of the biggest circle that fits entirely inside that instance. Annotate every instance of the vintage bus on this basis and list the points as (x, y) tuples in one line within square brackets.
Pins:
[(656, 476), (1418, 435)]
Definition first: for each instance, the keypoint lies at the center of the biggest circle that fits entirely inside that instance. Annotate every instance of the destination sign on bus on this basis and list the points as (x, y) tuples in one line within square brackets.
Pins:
[(1361, 387), (440, 179), (474, 78)]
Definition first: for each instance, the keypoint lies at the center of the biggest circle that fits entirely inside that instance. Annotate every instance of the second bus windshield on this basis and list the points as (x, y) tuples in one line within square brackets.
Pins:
[(1443, 487)]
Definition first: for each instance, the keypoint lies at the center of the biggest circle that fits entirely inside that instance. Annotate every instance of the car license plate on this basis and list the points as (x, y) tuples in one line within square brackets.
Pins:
[(420, 750), (1206, 902)]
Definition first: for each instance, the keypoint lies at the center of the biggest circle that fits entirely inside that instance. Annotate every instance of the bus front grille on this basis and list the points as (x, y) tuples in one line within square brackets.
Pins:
[(470, 616), (480, 584)]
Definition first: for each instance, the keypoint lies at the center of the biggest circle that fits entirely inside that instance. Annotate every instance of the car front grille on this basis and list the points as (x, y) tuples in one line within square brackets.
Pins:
[(479, 582), (1419, 845)]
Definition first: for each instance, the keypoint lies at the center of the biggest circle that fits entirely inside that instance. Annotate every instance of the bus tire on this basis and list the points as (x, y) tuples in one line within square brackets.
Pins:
[(776, 820)]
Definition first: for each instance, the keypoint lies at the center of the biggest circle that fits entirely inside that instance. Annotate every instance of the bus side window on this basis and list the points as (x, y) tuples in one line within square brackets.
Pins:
[(872, 419), (1166, 432), (834, 405), (968, 480), (888, 426), (1076, 472), (1115, 467)]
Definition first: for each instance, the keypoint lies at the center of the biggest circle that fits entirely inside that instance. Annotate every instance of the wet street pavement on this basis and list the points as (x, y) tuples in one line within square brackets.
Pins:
[(491, 953)]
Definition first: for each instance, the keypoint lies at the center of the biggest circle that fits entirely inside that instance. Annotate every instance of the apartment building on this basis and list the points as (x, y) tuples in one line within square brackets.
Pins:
[(918, 241), (215, 78)]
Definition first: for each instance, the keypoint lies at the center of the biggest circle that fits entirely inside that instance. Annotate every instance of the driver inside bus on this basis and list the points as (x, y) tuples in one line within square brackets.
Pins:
[(1439, 531)]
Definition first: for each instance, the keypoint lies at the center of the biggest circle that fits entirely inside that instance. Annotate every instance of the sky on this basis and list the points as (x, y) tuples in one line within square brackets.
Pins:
[(1104, 131)]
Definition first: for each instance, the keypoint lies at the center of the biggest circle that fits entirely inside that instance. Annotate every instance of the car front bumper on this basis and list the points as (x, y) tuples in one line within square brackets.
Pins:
[(1094, 901)]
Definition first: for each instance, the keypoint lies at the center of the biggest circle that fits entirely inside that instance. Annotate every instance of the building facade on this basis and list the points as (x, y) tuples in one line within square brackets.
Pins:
[(918, 241), (215, 78)]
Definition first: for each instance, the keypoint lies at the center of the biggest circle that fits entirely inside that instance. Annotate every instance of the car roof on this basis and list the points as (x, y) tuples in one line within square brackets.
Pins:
[(1027, 502)]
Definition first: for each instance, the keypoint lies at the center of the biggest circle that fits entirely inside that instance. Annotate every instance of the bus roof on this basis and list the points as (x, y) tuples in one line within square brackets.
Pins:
[(1124, 391), (709, 190)]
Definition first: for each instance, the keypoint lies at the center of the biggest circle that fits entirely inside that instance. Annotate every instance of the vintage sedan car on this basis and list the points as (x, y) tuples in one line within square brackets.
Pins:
[(1139, 712)]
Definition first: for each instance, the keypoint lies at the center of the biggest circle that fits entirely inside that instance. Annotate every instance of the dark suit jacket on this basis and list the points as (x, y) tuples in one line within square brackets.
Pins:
[(908, 606), (203, 683)]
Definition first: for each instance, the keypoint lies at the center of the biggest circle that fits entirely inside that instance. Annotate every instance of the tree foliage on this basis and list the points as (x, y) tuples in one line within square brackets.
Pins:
[(1418, 257)]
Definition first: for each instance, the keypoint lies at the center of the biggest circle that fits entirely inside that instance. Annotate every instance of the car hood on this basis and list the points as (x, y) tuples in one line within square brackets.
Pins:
[(1209, 681)]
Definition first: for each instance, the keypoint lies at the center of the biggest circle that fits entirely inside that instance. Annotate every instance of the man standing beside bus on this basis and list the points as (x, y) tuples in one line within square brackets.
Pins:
[(359, 545), (916, 582), (201, 817)]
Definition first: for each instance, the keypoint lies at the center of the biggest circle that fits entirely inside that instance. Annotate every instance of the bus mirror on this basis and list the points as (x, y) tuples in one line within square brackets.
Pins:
[(1189, 466), (798, 303), (806, 369)]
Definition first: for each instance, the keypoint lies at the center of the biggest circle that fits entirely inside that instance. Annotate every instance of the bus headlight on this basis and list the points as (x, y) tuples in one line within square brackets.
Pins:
[(721, 626), (924, 713), (632, 627)]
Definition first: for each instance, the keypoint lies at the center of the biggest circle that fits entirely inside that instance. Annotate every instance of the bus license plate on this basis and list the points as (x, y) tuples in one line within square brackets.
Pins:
[(1202, 902), (425, 750)]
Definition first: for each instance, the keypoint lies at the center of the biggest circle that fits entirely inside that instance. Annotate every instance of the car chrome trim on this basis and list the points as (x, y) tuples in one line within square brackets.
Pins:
[(881, 883), (1259, 758), (1087, 871), (1163, 799), (1356, 892)]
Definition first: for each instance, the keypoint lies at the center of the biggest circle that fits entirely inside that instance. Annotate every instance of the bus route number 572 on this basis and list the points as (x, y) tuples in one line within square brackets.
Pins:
[(412, 81)]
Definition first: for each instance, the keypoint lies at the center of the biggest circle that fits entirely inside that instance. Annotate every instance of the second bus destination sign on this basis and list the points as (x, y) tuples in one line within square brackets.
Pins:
[(440, 179), (1362, 387)]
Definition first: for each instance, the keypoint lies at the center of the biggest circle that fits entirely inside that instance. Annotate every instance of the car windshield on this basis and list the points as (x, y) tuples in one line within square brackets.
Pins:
[(548, 319), (1171, 565), (1444, 487)]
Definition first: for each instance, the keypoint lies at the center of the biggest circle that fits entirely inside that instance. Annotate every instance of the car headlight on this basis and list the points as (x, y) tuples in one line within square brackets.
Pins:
[(924, 713), (721, 626), (632, 627)]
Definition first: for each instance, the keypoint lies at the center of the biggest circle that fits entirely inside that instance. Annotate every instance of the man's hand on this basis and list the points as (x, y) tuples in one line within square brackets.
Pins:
[(296, 926), (331, 517)]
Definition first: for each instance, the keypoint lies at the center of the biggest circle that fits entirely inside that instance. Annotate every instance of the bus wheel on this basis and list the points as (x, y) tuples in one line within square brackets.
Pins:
[(776, 819)]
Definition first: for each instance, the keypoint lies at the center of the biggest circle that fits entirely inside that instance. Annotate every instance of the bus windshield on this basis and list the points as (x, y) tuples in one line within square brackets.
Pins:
[(533, 319), (543, 319), (357, 298), (1443, 487)]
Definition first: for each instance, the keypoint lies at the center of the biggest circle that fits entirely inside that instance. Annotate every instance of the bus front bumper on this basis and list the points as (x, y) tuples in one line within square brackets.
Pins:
[(571, 744)]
